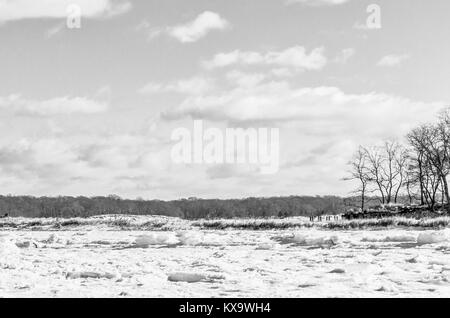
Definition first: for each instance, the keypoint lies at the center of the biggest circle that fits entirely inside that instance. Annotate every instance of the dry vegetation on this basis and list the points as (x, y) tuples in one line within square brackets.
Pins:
[(162, 223)]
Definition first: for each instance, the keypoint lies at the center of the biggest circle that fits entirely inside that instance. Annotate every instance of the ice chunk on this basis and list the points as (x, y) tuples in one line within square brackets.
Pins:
[(338, 271), (186, 277), (391, 238), (97, 275), (316, 241), (190, 238), (431, 237), (26, 244), (264, 246), (400, 238), (155, 239), (51, 239)]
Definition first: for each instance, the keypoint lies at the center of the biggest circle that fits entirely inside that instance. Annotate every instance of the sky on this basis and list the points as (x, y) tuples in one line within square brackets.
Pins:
[(91, 110)]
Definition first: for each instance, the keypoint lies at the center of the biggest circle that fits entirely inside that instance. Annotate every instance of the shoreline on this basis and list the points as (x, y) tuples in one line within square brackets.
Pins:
[(164, 223)]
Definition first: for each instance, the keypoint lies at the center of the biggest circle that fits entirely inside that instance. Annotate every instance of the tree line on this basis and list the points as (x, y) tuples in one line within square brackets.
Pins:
[(417, 168), (192, 208)]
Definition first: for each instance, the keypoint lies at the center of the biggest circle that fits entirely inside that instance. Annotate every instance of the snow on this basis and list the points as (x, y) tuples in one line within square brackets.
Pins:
[(107, 262)]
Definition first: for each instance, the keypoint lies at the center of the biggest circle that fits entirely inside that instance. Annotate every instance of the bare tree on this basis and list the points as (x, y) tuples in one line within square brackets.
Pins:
[(422, 169), (375, 162), (411, 180), (358, 171), (401, 165), (416, 139), (386, 166), (443, 149), (436, 147), (431, 144)]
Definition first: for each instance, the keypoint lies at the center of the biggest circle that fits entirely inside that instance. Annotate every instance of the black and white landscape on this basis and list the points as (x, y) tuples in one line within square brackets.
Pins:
[(213, 148)]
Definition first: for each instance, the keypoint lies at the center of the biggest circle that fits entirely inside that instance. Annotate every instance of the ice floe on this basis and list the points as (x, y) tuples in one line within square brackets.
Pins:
[(431, 238), (186, 277), (145, 240), (308, 240)]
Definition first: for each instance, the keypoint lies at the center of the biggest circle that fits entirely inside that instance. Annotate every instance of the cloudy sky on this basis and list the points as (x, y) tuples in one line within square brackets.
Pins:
[(90, 111)]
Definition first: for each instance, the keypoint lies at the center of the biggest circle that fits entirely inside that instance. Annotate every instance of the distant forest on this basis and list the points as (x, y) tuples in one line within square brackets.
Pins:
[(191, 208)]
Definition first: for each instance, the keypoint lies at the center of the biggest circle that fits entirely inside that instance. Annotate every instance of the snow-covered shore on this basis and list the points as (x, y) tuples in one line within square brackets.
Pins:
[(90, 261), (165, 223)]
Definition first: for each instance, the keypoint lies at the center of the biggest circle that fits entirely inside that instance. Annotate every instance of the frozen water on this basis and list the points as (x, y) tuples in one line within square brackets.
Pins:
[(229, 263)]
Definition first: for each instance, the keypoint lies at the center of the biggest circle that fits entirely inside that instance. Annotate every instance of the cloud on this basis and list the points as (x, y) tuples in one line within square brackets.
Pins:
[(69, 166), (227, 171), (41, 159), (317, 3), (199, 27), (152, 32), (295, 57), (51, 107), (317, 110), (189, 32), (32, 9), (393, 59), (193, 85), (245, 79)]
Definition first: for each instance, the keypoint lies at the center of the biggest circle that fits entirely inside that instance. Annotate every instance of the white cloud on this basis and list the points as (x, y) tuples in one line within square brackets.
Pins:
[(393, 59), (199, 27), (128, 164), (193, 85), (320, 110), (245, 79), (32, 9), (55, 106), (295, 57), (318, 2)]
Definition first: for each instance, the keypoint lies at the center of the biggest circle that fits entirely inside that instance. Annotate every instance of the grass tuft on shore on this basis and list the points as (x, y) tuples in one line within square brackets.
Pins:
[(160, 223)]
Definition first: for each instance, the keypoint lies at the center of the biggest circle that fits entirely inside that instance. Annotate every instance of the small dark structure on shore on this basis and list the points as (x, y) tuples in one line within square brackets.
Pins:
[(5, 216), (321, 218)]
